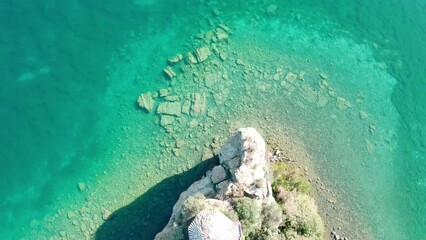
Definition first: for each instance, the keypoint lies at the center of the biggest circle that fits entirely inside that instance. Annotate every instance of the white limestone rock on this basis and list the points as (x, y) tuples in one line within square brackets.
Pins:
[(244, 156)]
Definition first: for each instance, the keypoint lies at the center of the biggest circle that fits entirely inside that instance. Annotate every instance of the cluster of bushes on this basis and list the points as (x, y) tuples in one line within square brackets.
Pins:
[(293, 216)]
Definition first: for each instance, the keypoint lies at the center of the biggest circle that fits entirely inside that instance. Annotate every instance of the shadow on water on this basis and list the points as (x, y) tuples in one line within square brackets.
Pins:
[(149, 213)]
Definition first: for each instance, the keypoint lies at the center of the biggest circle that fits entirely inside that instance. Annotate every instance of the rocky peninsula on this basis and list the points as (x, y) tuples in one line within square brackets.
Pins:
[(247, 196)]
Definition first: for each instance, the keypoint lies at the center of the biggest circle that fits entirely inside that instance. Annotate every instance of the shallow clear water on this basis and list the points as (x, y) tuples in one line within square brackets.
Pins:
[(71, 73)]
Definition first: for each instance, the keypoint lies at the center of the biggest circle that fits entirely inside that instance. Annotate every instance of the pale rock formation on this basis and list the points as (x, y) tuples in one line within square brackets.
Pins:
[(242, 171), (243, 155)]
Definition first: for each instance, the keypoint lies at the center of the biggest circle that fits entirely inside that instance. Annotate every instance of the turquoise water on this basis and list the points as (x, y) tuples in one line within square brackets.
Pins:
[(71, 73)]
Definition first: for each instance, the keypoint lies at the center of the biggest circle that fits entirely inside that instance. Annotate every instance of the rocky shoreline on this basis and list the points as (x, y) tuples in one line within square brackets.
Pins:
[(249, 189)]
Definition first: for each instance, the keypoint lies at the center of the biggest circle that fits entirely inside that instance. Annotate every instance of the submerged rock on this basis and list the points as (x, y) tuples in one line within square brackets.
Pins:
[(175, 59), (190, 59), (172, 98), (170, 108), (169, 72), (81, 186), (186, 107), (199, 104), (202, 54), (164, 92), (146, 101), (166, 120)]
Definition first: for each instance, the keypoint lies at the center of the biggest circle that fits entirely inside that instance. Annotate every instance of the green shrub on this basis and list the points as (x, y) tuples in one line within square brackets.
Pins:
[(287, 178), (249, 214), (272, 216), (302, 216)]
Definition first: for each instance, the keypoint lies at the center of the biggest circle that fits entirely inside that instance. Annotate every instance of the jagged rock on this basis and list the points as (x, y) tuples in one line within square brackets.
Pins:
[(146, 101), (169, 72), (170, 108), (202, 54), (244, 156)]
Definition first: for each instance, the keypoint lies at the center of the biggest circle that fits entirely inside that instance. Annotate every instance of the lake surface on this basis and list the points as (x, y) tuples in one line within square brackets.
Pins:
[(344, 80)]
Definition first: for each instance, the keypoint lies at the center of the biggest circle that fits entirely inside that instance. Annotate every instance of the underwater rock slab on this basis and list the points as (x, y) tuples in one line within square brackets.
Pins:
[(202, 54), (146, 101), (170, 108), (199, 104)]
